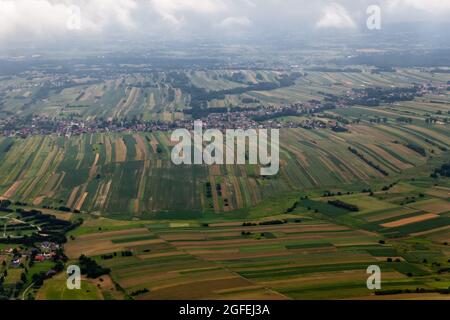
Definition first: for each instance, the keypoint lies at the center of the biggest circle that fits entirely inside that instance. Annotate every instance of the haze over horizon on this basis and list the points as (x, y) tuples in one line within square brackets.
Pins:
[(62, 20)]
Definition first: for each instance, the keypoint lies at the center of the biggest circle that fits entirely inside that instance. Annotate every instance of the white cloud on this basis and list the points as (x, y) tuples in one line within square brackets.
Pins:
[(42, 18), (173, 10), (38, 19), (430, 6), (335, 16), (233, 22)]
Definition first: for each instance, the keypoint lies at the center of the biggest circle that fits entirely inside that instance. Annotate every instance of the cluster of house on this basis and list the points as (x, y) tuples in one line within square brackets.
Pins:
[(17, 256), (242, 119), (50, 81), (47, 251), (44, 251)]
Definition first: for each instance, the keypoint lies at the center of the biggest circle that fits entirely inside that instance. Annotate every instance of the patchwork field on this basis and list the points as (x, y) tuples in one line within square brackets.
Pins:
[(131, 175), (316, 251), (342, 200), (161, 95)]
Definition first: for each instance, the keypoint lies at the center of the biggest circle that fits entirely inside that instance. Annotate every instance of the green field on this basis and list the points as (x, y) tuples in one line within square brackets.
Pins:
[(313, 254), (163, 95), (342, 200), (130, 175), (122, 176), (56, 289)]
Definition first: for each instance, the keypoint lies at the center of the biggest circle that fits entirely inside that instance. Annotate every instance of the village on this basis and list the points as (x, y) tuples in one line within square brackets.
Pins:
[(243, 119), (19, 256), (26, 265), (308, 115), (30, 249)]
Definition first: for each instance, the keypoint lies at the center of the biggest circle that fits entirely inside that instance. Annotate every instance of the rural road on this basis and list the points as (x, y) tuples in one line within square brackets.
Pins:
[(17, 221), (25, 291)]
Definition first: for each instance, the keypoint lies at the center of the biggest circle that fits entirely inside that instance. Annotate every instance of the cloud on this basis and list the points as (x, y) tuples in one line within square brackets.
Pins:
[(41, 16), (430, 6), (173, 10), (40, 19), (335, 16), (233, 22)]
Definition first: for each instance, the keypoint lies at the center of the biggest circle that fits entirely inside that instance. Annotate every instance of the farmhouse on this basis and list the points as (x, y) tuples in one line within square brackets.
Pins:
[(15, 262), (39, 258)]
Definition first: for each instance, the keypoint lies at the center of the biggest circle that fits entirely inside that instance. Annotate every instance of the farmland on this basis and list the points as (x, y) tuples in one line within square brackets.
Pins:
[(127, 175), (312, 252), (343, 199), (165, 95), (224, 150)]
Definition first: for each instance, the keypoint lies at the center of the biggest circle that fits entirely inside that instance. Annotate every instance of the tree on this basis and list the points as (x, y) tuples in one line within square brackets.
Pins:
[(5, 203), (59, 266)]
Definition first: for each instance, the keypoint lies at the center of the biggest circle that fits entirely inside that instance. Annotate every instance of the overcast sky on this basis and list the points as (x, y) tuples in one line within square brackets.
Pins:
[(55, 19)]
